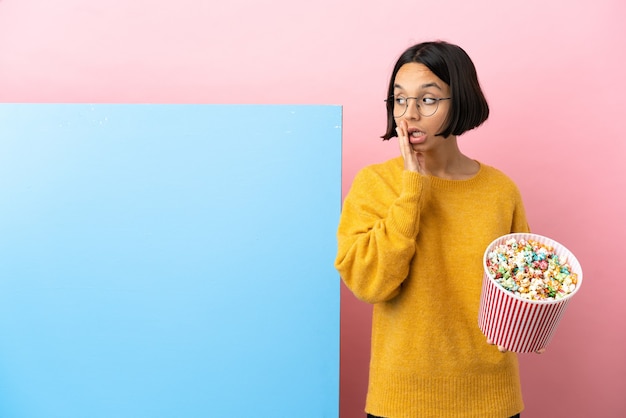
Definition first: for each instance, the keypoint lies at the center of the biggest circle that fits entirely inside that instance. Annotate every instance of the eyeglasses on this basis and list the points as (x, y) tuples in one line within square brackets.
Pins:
[(426, 106)]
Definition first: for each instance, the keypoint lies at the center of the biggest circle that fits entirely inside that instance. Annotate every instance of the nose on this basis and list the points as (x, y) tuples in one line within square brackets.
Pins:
[(411, 109)]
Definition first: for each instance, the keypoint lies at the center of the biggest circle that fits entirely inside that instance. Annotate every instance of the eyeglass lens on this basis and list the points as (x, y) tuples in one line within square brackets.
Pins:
[(425, 109)]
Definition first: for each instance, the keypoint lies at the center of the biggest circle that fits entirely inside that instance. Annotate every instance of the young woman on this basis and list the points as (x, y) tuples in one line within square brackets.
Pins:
[(411, 238)]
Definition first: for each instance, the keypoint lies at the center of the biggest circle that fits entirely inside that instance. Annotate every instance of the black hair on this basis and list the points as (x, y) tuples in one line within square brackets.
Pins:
[(468, 108)]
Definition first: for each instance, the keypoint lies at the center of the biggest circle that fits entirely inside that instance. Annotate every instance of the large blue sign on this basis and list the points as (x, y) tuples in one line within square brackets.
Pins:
[(169, 261)]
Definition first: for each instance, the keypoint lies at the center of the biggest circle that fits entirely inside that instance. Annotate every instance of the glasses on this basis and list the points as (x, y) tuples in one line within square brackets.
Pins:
[(426, 106)]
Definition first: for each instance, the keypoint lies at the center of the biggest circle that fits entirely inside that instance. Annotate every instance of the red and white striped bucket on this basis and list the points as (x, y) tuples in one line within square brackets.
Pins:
[(518, 324)]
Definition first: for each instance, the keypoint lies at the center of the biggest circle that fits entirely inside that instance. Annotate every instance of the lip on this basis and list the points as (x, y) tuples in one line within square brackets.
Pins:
[(416, 138)]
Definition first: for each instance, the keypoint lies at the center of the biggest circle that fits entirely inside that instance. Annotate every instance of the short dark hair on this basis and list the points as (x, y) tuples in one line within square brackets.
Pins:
[(469, 108)]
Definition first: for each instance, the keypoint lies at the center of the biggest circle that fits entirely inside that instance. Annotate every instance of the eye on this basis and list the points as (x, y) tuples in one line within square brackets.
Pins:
[(429, 101), (400, 101)]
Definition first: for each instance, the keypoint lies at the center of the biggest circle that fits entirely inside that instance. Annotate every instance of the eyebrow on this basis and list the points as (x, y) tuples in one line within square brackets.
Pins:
[(422, 87)]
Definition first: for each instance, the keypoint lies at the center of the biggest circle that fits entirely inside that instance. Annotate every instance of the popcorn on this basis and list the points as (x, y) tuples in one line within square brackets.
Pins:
[(531, 270)]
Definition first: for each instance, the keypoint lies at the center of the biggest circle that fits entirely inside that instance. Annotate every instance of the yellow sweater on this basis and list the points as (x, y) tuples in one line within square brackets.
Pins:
[(412, 245)]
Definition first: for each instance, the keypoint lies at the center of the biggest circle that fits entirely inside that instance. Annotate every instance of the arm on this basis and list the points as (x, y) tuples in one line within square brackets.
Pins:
[(377, 230), (520, 223)]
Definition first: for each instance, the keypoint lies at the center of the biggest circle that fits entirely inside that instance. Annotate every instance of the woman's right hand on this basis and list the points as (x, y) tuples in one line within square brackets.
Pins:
[(413, 161)]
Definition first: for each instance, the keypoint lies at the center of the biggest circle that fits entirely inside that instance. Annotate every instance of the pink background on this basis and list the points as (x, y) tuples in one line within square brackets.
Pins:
[(552, 72)]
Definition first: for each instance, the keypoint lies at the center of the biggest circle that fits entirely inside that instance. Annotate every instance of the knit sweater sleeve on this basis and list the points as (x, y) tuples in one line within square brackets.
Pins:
[(519, 222), (377, 230)]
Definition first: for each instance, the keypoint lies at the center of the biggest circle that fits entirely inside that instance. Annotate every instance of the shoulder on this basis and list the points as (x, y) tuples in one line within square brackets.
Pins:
[(499, 183), (492, 174), (381, 181), (389, 170)]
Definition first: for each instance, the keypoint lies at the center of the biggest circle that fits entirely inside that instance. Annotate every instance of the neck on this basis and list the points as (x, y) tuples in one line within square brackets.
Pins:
[(447, 161)]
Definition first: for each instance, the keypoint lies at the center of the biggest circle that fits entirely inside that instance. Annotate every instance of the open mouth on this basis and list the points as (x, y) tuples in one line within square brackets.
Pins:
[(415, 133)]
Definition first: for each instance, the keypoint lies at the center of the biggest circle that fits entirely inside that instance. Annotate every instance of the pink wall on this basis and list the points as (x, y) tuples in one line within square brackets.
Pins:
[(552, 71)]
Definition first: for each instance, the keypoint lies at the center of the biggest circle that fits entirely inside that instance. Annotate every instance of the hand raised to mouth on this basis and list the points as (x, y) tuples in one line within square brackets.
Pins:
[(413, 161)]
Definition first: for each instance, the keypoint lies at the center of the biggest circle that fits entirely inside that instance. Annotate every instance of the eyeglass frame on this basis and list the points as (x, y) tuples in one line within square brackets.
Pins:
[(392, 99)]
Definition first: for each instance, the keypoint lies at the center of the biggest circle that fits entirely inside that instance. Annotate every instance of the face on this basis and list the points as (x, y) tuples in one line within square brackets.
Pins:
[(416, 82)]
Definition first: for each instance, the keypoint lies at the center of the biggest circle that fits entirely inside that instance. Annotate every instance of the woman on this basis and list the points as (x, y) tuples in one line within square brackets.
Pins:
[(410, 241)]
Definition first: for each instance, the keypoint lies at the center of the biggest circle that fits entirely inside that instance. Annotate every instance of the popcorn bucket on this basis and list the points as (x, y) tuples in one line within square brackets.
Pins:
[(517, 324)]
